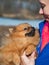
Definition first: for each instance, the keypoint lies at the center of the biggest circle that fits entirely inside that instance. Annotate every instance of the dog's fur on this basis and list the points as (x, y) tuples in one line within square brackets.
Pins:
[(22, 38)]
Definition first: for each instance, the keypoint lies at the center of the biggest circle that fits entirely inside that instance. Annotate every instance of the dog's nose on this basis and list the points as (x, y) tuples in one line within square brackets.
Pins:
[(31, 33)]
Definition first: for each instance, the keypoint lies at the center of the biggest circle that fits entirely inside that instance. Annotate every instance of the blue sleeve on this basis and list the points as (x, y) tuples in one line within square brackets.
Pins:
[(43, 57)]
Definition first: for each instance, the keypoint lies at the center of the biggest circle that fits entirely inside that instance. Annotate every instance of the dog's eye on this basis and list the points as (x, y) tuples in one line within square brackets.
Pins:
[(25, 28)]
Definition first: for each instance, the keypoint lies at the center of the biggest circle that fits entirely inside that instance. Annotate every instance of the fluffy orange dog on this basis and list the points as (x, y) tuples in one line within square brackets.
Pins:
[(23, 37)]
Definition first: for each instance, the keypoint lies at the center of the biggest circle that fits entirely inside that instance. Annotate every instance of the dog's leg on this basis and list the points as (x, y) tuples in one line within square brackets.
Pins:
[(16, 59), (30, 49)]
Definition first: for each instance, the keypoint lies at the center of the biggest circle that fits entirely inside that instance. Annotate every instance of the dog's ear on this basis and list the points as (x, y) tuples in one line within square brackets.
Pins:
[(10, 30)]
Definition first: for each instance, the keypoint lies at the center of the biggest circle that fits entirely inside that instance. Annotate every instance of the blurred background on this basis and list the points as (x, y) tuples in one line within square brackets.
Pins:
[(13, 12), (20, 9)]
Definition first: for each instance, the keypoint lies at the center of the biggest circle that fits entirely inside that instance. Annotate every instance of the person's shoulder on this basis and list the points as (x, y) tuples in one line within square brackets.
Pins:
[(41, 23)]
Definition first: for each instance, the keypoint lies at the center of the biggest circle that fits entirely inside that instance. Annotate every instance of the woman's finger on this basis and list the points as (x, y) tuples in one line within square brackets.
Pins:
[(24, 58)]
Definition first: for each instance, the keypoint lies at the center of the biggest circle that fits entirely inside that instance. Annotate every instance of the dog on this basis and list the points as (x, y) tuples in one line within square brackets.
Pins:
[(23, 37)]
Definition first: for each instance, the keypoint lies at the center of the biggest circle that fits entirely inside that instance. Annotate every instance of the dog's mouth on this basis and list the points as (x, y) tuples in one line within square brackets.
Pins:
[(31, 33)]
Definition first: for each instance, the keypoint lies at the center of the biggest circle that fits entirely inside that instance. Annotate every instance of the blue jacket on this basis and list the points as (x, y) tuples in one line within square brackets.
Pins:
[(43, 56)]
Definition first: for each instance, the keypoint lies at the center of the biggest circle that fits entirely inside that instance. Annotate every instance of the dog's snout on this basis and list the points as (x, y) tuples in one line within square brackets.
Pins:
[(31, 33)]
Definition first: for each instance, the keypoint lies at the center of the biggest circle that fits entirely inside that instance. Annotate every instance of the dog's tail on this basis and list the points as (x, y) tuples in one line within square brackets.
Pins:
[(0, 49), (0, 53)]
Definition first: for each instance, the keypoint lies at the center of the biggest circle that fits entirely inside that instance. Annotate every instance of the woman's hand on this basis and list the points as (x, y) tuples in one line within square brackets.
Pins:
[(28, 60)]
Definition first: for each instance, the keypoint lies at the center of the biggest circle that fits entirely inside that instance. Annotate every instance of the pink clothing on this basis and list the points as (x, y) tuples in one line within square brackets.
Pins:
[(45, 35)]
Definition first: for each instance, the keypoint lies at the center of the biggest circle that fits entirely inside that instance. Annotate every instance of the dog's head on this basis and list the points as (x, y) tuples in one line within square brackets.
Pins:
[(24, 30)]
